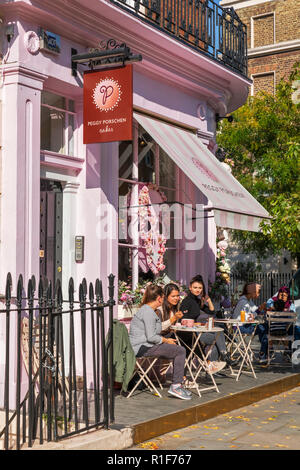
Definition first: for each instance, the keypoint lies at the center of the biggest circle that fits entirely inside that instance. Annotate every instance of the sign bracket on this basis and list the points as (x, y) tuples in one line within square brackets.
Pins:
[(109, 54)]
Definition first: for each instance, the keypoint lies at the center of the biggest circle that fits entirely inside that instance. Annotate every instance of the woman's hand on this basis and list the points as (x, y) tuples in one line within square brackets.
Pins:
[(178, 315), (169, 340), (207, 299), (263, 307)]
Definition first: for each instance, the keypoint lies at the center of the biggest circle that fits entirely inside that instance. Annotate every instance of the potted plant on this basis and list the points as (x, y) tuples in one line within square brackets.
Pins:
[(129, 300)]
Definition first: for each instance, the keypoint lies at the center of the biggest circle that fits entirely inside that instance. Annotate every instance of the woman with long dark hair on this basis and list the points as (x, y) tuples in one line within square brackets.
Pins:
[(146, 339), (199, 307), (169, 311)]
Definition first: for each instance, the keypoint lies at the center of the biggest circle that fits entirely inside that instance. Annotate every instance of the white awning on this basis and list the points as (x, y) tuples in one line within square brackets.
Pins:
[(233, 205)]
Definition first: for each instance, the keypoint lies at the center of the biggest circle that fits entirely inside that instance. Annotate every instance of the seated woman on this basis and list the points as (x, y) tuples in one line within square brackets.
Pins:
[(281, 302), (147, 341), (250, 292), (169, 312), (169, 315), (198, 306)]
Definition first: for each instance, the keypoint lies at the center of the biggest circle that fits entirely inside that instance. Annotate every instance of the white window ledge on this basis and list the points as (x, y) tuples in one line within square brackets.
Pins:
[(277, 48), (54, 159)]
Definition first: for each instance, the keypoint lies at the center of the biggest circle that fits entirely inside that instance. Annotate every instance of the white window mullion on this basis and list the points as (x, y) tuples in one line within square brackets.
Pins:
[(156, 154), (66, 134), (134, 210)]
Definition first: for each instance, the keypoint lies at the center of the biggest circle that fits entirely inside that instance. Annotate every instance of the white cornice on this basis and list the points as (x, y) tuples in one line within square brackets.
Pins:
[(15, 72), (237, 4), (277, 48)]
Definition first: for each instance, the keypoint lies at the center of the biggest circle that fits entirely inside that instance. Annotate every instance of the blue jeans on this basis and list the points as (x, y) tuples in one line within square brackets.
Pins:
[(261, 331), (297, 332)]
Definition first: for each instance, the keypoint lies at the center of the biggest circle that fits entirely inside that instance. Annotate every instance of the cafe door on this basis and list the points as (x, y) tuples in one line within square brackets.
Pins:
[(51, 211)]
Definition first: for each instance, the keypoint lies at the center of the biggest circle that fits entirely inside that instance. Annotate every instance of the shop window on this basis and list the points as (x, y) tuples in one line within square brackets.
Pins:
[(166, 170), (125, 160), (57, 124), (146, 165), (154, 166), (125, 268)]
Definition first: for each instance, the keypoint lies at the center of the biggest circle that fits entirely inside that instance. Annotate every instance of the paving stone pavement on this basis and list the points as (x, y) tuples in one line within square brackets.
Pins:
[(273, 423)]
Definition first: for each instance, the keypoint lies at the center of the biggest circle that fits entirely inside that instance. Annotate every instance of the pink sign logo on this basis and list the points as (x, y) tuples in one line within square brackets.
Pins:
[(205, 171), (107, 94)]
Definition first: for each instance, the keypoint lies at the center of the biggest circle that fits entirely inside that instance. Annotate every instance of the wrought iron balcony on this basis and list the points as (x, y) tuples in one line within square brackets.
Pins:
[(201, 24)]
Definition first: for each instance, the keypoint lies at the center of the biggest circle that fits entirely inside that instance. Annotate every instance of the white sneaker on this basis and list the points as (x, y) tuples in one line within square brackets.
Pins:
[(215, 366), (179, 392)]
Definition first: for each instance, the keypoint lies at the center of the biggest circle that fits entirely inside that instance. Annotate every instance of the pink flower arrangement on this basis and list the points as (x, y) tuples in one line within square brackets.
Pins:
[(152, 240), (218, 288)]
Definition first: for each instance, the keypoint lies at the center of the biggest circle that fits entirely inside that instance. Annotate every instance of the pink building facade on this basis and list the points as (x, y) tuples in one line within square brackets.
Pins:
[(42, 106), (53, 187)]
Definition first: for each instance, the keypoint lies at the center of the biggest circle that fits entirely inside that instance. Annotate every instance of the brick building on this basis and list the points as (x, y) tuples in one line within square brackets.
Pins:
[(273, 39)]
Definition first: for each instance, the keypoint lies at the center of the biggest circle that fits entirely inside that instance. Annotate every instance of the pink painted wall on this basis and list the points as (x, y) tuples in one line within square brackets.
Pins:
[(171, 81)]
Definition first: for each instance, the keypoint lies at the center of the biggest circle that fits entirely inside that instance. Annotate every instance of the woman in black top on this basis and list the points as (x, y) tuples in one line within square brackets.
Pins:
[(199, 307)]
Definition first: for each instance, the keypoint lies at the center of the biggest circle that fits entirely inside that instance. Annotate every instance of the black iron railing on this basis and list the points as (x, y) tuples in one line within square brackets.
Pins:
[(202, 24), (57, 384)]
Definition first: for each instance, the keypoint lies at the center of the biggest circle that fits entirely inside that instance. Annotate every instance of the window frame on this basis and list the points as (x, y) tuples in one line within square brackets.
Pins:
[(262, 74), (135, 181), (67, 115), (261, 15)]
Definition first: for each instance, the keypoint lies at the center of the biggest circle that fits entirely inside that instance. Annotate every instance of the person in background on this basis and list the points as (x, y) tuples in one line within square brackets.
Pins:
[(147, 341), (281, 302), (251, 292), (199, 307), (225, 299)]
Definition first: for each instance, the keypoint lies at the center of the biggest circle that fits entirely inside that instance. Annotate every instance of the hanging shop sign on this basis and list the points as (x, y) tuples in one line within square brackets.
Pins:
[(107, 105)]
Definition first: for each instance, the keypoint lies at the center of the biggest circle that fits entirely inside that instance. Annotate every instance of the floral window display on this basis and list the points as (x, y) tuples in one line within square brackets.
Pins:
[(129, 298), (147, 179), (152, 241), (218, 290)]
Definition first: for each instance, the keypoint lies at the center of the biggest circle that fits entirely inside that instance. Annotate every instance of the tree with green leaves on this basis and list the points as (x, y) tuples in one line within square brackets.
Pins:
[(262, 145)]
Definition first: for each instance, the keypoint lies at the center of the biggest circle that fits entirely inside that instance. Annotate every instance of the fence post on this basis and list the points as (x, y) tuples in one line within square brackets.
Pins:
[(18, 389), (72, 373), (82, 299), (41, 354), (96, 391), (30, 295), (50, 350), (7, 359), (61, 350), (100, 314), (111, 304)]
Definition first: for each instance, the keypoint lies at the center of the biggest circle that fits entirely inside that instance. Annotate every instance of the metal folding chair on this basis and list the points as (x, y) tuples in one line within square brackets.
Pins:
[(281, 330), (143, 367)]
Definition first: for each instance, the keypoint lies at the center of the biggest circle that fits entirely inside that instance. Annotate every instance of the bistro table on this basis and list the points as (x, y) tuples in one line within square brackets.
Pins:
[(197, 361), (236, 344)]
